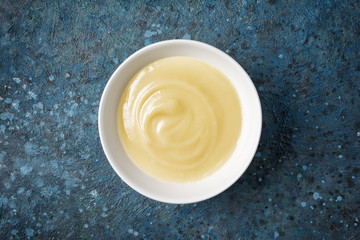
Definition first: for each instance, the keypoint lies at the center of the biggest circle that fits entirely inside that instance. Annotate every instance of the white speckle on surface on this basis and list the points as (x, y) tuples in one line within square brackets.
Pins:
[(39, 105), (316, 195), (338, 199), (186, 36), (303, 204), (7, 185), (14, 232), (94, 193), (281, 56), (116, 60), (131, 231), (26, 169), (81, 210), (86, 225), (260, 179), (136, 233), (70, 113), (17, 80), (340, 156), (322, 181), (32, 95), (74, 106), (5, 115), (30, 148), (276, 234), (353, 177), (16, 104), (339, 146), (147, 41), (29, 232), (311, 207), (51, 78), (12, 177), (299, 176), (270, 199), (358, 134), (20, 190), (304, 167), (149, 33)]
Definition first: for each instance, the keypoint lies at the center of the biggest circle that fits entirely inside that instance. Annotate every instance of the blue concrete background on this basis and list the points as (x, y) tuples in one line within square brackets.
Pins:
[(56, 57)]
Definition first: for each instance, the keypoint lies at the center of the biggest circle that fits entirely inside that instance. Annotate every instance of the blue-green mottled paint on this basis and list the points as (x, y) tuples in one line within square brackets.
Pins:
[(56, 57)]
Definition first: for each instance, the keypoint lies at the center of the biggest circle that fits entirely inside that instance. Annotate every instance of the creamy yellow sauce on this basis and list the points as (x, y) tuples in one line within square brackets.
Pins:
[(179, 119)]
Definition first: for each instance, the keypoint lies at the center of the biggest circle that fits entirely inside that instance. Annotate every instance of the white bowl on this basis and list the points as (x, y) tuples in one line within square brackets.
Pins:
[(229, 172)]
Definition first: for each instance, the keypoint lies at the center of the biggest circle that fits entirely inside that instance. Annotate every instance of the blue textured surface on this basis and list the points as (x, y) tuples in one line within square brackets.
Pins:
[(56, 57)]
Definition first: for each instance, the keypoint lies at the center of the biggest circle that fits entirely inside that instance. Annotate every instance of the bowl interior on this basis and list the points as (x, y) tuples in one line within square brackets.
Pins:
[(232, 169)]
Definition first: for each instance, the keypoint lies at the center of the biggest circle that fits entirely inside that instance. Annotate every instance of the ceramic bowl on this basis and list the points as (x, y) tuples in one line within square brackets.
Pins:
[(222, 178)]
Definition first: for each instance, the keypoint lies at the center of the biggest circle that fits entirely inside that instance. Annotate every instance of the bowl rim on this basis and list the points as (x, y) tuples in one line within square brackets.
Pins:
[(103, 140)]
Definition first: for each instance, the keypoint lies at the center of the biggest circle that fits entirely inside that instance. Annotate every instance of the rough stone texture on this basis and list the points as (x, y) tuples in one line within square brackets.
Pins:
[(56, 57)]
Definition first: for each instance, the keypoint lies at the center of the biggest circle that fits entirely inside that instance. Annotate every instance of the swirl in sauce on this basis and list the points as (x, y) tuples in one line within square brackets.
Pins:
[(179, 119)]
